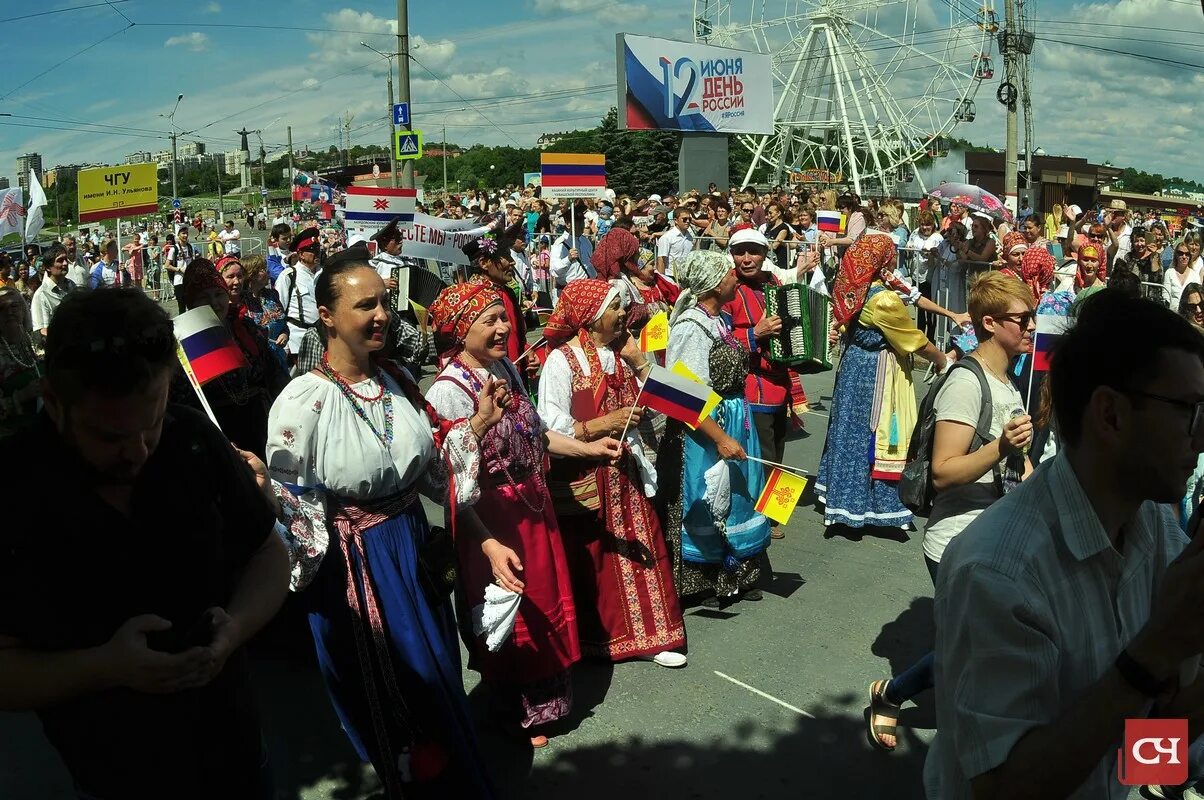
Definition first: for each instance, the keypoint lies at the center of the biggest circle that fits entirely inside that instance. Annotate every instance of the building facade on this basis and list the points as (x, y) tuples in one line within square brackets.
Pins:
[(24, 164)]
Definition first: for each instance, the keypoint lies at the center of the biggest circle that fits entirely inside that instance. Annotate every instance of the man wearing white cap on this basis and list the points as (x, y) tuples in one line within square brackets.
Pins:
[(774, 391)]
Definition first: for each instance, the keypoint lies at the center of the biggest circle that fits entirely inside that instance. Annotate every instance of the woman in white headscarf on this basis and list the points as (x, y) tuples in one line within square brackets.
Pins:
[(709, 487)]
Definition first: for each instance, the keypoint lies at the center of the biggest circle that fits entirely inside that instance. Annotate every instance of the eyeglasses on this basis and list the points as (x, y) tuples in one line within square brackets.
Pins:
[(1095, 236), (1193, 307), (1197, 409), (1182, 253), (747, 210), (1022, 320)]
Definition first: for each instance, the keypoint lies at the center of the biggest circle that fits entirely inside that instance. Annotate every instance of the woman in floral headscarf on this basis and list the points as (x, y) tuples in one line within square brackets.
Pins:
[(709, 488), (498, 473), (627, 605), (874, 402)]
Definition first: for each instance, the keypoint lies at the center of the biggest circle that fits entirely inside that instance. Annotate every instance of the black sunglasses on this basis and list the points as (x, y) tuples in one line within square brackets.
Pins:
[(1023, 320), (747, 249), (748, 210), (1182, 253)]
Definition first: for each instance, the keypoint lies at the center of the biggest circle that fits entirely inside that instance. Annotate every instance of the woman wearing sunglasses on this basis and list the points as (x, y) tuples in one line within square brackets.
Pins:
[(1191, 305), (1181, 273)]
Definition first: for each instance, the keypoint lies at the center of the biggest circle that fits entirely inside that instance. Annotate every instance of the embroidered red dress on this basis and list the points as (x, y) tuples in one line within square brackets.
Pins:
[(622, 575)]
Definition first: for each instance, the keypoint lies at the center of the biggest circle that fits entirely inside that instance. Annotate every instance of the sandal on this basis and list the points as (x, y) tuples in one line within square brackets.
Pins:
[(539, 741), (884, 717)]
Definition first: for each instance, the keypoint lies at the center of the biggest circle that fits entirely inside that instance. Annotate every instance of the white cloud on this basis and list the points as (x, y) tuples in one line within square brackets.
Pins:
[(310, 83), (196, 42), (213, 8)]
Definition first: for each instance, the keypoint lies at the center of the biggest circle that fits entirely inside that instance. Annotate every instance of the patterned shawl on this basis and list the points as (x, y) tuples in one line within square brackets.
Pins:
[(581, 303), (868, 259), (455, 310), (617, 249)]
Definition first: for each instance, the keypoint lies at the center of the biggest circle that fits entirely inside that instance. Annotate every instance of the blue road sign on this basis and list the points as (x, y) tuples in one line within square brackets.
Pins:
[(175, 203), (407, 145), (263, 192), (401, 114)]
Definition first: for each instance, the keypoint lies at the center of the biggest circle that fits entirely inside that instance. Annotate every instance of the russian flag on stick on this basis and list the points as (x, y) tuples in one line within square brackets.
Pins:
[(675, 396), (829, 221), (1050, 328), (206, 350)]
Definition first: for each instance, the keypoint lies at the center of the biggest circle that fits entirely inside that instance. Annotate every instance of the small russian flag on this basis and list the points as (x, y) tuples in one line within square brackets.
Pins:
[(675, 396), (207, 346), (1050, 328), (829, 221)]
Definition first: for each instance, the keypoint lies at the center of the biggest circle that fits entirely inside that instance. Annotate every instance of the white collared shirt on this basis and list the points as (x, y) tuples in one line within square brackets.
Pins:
[(673, 246), (46, 300), (295, 286), (1033, 604), (565, 270)]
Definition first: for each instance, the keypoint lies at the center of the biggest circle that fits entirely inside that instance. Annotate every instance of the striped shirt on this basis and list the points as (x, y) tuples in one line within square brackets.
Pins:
[(1033, 604)]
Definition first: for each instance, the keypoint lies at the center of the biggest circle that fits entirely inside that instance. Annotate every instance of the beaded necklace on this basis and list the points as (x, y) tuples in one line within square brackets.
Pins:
[(488, 441), (13, 355), (350, 395)]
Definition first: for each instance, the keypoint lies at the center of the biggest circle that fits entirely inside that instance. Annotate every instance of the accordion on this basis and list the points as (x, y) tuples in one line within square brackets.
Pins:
[(415, 284), (806, 318)]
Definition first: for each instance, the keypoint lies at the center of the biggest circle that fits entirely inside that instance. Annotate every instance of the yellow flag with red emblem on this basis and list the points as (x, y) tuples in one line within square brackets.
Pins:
[(781, 494), (655, 335)]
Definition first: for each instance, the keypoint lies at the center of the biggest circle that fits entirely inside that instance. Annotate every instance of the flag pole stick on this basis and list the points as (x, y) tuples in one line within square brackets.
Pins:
[(796, 470), (196, 385), (631, 413), (527, 352)]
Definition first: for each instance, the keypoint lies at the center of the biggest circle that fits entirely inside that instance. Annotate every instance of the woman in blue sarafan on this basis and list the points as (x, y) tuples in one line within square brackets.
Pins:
[(709, 486), (874, 401)]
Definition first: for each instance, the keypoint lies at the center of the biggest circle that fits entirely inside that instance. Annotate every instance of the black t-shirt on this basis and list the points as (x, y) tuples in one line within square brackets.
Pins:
[(779, 251), (77, 569)]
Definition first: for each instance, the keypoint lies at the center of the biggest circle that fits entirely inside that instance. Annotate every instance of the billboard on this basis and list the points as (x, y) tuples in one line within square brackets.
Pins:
[(127, 191), (683, 86)]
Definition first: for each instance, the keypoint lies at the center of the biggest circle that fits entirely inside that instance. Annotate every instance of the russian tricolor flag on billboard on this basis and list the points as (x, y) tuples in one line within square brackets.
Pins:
[(209, 348), (1050, 328), (375, 206)]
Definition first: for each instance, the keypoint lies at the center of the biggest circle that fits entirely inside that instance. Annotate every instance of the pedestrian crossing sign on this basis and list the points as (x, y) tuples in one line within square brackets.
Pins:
[(407, 144)]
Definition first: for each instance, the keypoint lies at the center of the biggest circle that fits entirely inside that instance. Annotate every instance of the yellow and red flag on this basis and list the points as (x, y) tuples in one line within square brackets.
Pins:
[(655, 335), (781, 494)]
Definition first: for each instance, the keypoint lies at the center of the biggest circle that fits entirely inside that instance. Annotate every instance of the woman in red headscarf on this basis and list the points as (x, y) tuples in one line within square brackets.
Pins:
[(240, 399), (627, 606), (643, 291), (496, 463), (874, 402)]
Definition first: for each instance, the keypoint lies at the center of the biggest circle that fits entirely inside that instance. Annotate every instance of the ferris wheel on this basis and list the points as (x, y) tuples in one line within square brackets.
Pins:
[(863, 87)]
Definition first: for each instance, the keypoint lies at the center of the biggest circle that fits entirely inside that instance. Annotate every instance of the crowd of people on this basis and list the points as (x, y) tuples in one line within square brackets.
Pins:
[(577, 522)]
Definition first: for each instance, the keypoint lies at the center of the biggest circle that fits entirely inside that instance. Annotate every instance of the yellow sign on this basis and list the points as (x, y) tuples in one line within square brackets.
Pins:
[(128, 191), (407, 145)]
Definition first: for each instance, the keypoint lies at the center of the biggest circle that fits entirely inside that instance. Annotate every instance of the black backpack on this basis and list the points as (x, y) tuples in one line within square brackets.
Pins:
[(915, 487)]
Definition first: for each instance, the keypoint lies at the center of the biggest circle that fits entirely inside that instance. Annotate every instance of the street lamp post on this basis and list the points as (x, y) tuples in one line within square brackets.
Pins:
[(392, 124), (172, 117)]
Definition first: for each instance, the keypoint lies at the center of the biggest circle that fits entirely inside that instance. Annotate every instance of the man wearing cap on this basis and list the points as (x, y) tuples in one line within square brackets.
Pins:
[(295, 287), (774, 391), (1120, 233)]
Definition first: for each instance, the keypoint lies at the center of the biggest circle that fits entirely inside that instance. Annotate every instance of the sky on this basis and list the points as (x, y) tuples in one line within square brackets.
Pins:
[(90, 81)]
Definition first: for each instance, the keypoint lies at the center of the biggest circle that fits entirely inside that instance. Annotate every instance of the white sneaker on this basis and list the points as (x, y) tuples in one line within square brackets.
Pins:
[(667, 659)]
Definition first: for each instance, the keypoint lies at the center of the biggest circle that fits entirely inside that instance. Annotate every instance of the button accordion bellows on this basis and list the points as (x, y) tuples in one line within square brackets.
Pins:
[(806, 318)]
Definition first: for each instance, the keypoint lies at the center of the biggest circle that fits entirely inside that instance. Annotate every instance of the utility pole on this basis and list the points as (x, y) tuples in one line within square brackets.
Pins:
[(445, 155), (263, 183), (290, 155), (403, 81), (392, 121), (1007, 95), (221, 202)]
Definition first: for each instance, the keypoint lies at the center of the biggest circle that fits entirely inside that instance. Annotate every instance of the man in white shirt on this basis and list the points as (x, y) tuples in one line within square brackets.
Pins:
[(77, 269), (675, 244), (52, 291), (176, 259), (1073, 603), (572, 259), (295, 287), (230, 239), (523, 272)]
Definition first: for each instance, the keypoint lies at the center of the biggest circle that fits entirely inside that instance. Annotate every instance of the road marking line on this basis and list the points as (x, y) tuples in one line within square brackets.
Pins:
[(769, 697), (817, 414)]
